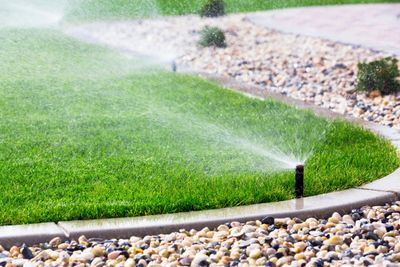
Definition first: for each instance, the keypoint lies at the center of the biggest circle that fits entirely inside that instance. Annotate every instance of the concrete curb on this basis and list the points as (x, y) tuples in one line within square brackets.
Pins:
[(29, 234), (378, 192), (321, 205)]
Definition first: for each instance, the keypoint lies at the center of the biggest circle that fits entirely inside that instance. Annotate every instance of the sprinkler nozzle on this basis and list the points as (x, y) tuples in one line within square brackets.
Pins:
[(174, 67), (299, 186)]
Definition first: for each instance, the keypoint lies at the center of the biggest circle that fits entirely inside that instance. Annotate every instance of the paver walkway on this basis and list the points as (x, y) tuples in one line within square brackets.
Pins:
[(376, 26)]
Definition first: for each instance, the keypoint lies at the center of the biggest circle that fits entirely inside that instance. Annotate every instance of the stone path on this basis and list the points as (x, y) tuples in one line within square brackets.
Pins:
[(375, 26)]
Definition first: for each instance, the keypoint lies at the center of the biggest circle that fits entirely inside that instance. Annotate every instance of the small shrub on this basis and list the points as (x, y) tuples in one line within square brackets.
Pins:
[(213, 8), (212, 36), (379, 75)]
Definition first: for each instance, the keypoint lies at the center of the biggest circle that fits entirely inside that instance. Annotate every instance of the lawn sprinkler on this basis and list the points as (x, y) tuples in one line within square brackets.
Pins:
[(299, 186), (174, 67)]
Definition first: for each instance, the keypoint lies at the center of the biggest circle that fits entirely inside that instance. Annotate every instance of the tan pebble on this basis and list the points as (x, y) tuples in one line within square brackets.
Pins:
[(255, 253), (14, 251), (297, 226), (397, 248), (210, 234), (164, 253), (330, 224), (396, 208), (53, 255), (134, 239), (382, 249), (42, 255), (98, 251), (129, 263), (396, 257), (299, 256), (282, 261), (371, 214), (55, 242), (235, 224), (83, 240), (380, 232), (225, 260), (334, 240), (273, 259), (336, 216), (113, 255), (96, 262), (261, 261), (172, 264), (63, 246), (223, 227), (215, 258), (347, 219), (297, 250), (235, 255), (282, 250), (270, 251), (120, 258), (154, 264), (221, 235)]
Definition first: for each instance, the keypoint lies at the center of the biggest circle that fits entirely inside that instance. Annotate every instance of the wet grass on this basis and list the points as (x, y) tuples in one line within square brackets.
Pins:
[(86, 133), (117, 9)]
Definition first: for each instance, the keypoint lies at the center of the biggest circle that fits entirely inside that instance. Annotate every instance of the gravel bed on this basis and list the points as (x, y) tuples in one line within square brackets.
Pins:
[(307, 68), (366, 236)]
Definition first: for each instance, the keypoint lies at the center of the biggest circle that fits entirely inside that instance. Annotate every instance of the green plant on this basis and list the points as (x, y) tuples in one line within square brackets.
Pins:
[(379, 75), (212, 36), (213, 8)]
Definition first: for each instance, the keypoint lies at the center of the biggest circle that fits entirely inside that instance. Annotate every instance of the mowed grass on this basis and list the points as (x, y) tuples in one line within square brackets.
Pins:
[(119, 9), (85, 133)]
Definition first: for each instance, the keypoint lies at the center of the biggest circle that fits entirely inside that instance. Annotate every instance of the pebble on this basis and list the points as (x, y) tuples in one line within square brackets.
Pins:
[(366, 236), (55, 242)]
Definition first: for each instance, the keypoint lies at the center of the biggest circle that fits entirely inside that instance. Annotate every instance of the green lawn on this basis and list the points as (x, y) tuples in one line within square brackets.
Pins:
[(86, 133), (81, 10), (111, 9)]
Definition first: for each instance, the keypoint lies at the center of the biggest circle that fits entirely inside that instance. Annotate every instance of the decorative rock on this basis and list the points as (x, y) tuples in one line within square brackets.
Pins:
[(55, 242), (129, 263), (340, 241), (334, 240), (113, 255), (83, 240), (268, 220), (98, 251), (255, 253), (200, 260), (26, 252)]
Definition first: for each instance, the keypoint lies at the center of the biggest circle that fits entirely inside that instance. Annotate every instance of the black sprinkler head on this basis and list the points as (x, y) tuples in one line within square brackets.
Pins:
[(174, 67), (299, 186)]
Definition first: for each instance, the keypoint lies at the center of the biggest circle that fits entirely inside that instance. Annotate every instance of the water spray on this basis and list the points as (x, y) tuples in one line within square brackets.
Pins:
[(299, 186)]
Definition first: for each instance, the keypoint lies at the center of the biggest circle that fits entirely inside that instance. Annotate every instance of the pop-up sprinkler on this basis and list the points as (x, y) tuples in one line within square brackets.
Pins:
[(299, 186)]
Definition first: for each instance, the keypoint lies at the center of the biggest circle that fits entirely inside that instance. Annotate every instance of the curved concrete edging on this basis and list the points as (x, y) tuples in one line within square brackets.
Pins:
[(378, 192)]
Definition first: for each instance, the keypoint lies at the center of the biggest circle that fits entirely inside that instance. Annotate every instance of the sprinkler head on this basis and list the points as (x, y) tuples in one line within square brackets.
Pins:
[(299, 186), (174, 66)]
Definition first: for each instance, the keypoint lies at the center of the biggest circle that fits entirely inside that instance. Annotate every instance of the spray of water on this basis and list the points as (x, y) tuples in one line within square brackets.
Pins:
[(266, 154), (251, 151), (30, 14)]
